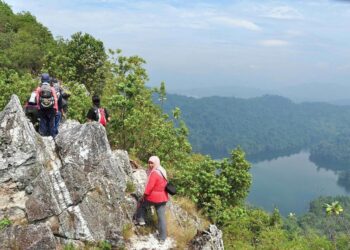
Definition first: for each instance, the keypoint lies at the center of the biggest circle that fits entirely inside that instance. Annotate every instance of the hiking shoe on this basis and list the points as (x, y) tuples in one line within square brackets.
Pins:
[(139, 223)]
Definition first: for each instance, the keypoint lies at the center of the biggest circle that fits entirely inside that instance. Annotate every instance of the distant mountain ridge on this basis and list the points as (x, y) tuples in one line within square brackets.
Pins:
[(312, 92), (264, 126)]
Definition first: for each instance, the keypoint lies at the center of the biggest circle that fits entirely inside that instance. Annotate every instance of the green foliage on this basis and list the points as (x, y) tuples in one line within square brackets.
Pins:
[(215, 185), (334, 208), (5, 222), (86, 59), (13, 83), (245, 227), (80, 59), (104, 245), (253, 229), (137, 124), (69, 246), (57, 62), (79, 101), (334, 152), (162, 94), (265, 127), (329, 217), (276, 218), (23, 41)]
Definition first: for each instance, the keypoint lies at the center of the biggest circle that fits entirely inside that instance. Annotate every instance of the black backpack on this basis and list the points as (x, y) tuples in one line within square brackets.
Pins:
[(46, 97)]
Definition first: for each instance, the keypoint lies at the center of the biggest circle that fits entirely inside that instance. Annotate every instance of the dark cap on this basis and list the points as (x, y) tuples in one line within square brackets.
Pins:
[(96, 99), (45, 77)]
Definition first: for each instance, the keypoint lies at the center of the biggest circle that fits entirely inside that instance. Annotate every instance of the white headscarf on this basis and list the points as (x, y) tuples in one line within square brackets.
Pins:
[(157, 166)]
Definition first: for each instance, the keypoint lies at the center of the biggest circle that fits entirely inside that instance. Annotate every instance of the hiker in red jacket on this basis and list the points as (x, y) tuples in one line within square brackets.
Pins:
[(154, 195)]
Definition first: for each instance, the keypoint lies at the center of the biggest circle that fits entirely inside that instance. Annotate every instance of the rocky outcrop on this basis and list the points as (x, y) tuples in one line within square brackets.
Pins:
[(71, 189), (74, 184), (31, 237), (208, 239)]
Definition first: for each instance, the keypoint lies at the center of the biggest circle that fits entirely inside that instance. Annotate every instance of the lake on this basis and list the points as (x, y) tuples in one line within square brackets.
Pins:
[(291, 182)]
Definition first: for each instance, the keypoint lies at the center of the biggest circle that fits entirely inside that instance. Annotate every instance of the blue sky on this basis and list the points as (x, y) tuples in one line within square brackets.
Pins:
[(261, 44)]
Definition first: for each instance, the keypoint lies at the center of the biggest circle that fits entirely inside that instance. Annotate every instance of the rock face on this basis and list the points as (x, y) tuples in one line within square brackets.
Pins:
[(23, 237), (70, 188), (208, 240)]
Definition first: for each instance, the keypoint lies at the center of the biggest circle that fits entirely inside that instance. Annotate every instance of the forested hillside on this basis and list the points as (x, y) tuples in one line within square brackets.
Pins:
[(139, 126), (264, 127), (24, 42)]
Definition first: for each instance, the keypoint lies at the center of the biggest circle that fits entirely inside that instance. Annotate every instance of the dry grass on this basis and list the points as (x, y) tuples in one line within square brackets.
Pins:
[(182, 234), (191, 208), (127, 231), (130, 187)]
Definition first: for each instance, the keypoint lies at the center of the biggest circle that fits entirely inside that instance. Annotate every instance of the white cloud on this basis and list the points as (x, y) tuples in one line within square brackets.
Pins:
[(274, 43), (238, 23), (208, 36), (284, 12)]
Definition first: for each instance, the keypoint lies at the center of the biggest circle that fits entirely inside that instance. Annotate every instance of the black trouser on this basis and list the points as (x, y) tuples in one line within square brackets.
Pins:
[(47, 122)]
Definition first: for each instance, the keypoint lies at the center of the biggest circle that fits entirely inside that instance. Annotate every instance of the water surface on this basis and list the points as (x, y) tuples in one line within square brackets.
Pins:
[(290, 183)]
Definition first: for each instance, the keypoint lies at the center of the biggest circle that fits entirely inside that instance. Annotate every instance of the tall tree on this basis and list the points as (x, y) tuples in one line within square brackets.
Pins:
[(138, 125), (86, 59)]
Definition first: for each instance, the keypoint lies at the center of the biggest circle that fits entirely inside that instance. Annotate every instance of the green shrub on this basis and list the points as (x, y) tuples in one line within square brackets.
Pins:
[(5, 222), (104, 245)]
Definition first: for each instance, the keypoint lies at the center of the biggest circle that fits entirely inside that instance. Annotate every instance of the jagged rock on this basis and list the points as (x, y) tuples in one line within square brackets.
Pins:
[(30, 237), (210, 239), (75, 179), (17, 159), (71, 189)]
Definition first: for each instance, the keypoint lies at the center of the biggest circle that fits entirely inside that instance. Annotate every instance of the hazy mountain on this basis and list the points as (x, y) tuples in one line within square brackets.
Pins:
[(226, 91), (317, 92), (265, 127), (310, 92)]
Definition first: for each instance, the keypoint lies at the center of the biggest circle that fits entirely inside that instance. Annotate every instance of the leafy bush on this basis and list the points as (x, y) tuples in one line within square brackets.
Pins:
[(13, 83), (215, 185)]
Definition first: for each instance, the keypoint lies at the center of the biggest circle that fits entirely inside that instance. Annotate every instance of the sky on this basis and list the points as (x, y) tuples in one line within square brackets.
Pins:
[(265, 44)]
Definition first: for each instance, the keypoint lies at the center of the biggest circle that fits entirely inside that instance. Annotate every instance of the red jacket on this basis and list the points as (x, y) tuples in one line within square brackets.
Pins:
[(155, 188)]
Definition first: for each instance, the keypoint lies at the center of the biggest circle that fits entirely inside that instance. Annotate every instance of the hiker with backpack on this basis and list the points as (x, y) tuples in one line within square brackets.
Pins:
[(154, 195), (58, 117), (47, 104), (97, 113)]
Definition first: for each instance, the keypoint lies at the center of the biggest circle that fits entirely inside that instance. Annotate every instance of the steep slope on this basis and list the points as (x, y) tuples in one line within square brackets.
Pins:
[(71, 189)]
